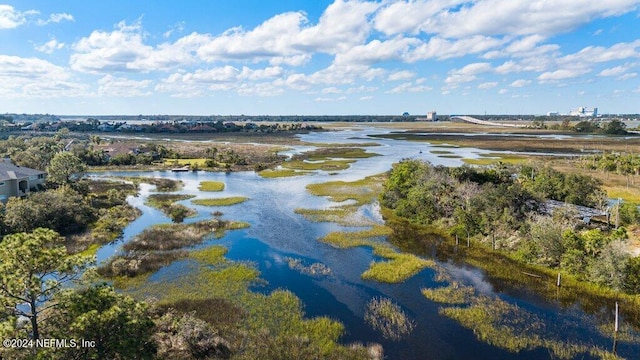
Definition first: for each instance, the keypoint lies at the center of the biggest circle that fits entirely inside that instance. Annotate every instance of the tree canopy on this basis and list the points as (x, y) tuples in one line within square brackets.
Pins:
[(65, 168), (34, 267)]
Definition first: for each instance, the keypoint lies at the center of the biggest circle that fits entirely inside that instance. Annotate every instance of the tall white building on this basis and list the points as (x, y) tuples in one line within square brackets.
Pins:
[(584, 112)]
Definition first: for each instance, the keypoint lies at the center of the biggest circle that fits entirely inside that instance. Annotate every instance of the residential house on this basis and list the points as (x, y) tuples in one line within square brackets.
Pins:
[(18, 180)]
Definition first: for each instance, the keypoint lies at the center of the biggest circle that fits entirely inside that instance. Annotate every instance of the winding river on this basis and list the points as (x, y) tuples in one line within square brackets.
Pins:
[(277, 233)]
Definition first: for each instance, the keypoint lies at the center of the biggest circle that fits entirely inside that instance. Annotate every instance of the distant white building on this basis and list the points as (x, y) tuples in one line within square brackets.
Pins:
[(552, 113), (432, 116), (584, 112)]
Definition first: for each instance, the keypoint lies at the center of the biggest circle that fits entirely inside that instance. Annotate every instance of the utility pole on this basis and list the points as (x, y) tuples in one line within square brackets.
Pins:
[(618, 213)]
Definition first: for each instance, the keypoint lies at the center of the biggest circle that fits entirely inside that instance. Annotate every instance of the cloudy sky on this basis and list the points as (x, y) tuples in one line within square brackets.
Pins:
[(319, 57)]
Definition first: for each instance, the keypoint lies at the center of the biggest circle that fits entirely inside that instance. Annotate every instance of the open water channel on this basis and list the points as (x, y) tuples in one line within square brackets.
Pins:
[(277, 233)]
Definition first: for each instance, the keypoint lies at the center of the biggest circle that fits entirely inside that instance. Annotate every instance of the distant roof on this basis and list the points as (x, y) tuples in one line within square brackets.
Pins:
[(8, 170)]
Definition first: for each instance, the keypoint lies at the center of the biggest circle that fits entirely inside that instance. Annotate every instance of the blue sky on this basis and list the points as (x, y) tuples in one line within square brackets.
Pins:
[(319, 57)]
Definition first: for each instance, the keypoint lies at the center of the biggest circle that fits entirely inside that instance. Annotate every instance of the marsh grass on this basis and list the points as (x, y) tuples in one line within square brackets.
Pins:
[(257, 325), (440, 152), (199, 162), (454, 294), (343, 215), (164, 237), (514, 329), (216, 311), (507, 271), (326, 165), (166, 203), (336, 152), (211, 186), (228, 201), (280, 173), (488, 159), (450, 156), (363, 191), (106, 229), (209, 255), (627, 194), (162, 184), (531, 143), (135, 264), (388, 318), (398, 268), (342, 145), (345, 239), (162, 200), (101, 187), (313, 269)]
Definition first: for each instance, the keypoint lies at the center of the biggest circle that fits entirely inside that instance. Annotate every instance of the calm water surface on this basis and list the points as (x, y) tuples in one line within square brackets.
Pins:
[(277, 233)]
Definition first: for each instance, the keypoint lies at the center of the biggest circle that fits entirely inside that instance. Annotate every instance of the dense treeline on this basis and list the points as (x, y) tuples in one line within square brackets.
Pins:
[(613, 127), (504, 208)]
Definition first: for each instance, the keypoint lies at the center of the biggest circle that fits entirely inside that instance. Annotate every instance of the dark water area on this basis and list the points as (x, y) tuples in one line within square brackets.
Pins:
[(277, 235)]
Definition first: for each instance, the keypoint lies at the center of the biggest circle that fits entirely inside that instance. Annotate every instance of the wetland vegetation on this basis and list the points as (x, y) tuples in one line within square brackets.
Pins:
[(227, 201), (217, 307), (211, 186), (388, 318), (167, 204)]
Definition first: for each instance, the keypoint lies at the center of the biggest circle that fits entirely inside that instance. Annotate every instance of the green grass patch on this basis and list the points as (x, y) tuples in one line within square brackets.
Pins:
[(228, 201), (440, 152), (363, 191), (495, 158), (210, 255), (338, 152), (337, 215), (349, 239), (327, 165), (454, 294), (92, 250), (627, 194), (211, 186), (453, 156), (199, 162), (398, 268), (279, 173)]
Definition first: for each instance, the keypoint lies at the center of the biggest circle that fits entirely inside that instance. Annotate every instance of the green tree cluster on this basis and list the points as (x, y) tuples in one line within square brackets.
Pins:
[(571, 188), (63, 210), (473, 201), (501, 206), (34, 267)]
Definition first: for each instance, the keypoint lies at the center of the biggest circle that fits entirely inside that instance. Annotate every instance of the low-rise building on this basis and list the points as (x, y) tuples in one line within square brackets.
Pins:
[(18, 180)]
